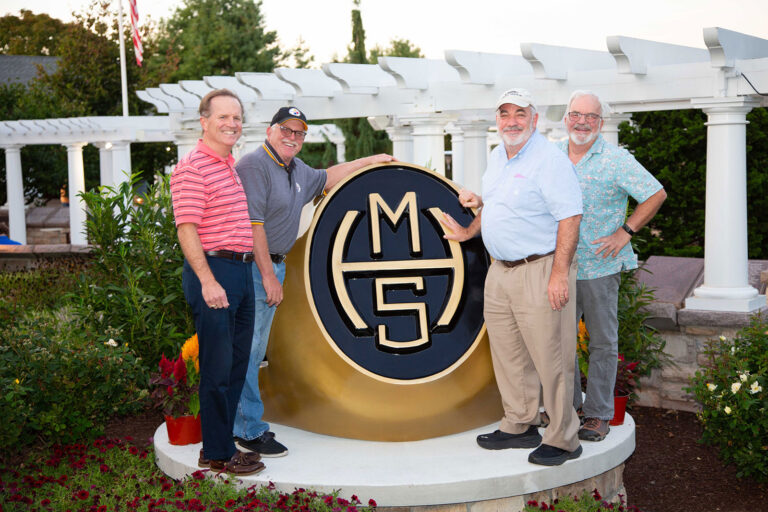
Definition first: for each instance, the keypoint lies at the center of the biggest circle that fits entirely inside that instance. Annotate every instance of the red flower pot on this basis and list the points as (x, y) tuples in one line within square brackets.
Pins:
[(619, 409), (184, 429)]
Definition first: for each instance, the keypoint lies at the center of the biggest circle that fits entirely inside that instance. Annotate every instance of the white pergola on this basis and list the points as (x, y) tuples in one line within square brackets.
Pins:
[(113, 136), (418, 101)]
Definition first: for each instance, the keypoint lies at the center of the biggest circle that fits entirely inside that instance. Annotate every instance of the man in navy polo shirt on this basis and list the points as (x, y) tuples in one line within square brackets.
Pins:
[(277, 185)]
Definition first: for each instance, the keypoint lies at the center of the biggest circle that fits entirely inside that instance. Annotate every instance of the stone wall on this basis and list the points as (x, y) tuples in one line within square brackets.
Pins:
[(685, 346), (610, 483)]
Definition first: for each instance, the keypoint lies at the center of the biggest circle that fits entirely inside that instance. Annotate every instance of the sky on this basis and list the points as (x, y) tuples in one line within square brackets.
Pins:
[(495, 26)]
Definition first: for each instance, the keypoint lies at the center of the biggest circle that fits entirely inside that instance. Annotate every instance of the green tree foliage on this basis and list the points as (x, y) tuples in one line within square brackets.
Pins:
[(299, 57), (673, 146), (397, 48), (218, 37), (757, 183), (31, 34)]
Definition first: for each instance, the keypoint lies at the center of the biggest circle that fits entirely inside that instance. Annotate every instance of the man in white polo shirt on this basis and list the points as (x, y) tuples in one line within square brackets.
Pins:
[(278, 185), (531, 209)]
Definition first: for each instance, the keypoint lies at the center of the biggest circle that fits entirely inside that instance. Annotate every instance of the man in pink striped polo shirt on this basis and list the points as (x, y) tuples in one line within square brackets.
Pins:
[(215, 235)]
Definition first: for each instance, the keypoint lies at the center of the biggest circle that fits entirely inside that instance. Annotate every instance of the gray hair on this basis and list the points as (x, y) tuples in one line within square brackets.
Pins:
[(605, 109)]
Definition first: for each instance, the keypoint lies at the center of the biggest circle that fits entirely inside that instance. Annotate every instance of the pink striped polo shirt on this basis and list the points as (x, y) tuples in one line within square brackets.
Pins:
[(207, 192)]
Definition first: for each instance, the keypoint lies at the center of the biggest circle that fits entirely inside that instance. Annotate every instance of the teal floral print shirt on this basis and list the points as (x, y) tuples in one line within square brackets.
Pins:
[(608, 175)]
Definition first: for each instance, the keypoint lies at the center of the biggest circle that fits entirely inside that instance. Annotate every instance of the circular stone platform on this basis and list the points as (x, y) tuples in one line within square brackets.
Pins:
[(450, 469)]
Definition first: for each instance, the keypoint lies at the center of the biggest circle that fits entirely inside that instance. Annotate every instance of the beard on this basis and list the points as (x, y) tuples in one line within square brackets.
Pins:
[(581, 138), (515, 138)]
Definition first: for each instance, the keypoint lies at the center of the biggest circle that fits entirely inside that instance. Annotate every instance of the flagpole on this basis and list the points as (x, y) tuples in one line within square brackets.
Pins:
[(123, 72)]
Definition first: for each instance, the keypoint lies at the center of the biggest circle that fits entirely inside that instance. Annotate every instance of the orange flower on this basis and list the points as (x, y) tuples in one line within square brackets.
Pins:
[(190, 349), (583, 334)]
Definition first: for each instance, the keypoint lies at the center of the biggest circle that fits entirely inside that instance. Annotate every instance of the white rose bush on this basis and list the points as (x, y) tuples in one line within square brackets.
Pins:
[(734, 407)]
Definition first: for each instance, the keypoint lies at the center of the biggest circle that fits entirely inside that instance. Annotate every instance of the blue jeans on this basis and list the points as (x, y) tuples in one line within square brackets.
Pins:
[(224, 337), (248, 423), (598, 300)]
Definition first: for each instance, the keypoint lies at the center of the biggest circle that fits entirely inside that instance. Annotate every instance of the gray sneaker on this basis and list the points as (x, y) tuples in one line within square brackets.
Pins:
[(594, 429), (265, 445)]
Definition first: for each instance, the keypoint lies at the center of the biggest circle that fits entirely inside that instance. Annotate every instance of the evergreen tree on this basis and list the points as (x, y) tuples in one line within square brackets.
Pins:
[(361, 139)]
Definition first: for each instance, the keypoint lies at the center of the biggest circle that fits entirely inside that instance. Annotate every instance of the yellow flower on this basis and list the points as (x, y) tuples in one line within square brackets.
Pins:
[(17, 381), (722, 338), (727, 410), (735, 387), (711, 386)]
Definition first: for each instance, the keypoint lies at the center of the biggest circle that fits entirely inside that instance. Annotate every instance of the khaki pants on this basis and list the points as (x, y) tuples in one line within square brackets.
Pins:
[(533, 349)]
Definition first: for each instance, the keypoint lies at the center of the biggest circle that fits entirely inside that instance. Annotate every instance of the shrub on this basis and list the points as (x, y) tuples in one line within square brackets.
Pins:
[(731, 388), (587, 502), (42, 287), (60, 387), (134, 287)]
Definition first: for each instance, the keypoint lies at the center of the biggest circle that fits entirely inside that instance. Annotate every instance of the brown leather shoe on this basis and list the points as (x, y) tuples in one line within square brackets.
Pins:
[(241, 464), (594, 429)]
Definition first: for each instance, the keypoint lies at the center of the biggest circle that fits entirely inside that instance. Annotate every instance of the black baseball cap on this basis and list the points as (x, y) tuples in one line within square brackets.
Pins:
[(288, 113)]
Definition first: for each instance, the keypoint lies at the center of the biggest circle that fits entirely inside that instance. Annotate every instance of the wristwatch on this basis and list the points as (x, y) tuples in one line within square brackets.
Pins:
[(627, 229)]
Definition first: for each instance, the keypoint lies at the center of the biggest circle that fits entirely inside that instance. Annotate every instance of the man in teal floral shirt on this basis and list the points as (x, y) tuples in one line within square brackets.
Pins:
[(608, 175)]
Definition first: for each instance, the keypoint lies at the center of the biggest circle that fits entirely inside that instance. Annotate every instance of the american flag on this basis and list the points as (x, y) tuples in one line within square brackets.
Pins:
[(138, 49)]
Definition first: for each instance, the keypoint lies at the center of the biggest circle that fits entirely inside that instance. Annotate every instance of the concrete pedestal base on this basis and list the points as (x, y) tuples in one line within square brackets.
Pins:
[(444, 471)]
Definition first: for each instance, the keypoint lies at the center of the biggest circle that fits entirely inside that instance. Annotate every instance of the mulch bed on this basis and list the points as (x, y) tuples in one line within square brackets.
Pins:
[(669, 470)]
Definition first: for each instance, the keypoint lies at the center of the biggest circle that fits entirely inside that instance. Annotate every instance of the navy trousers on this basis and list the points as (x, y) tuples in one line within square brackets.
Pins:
[(224, 336)]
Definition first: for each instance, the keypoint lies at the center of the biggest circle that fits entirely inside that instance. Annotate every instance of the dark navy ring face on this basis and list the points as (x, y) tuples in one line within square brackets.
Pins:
[(395, 298)]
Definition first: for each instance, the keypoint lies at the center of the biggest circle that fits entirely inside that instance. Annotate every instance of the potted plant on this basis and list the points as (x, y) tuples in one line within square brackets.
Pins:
[(626, 374), (176, 394)]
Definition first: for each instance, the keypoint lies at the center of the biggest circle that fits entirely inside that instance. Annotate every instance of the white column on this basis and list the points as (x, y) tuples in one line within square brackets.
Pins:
[(121, 162), (185, 141), (17, 222), (611, 126), (428, 142), (402, 141), (253, 136), (341, 152), (457, 152), (105, 163), (726, 285), (75, 186), (475, 152)]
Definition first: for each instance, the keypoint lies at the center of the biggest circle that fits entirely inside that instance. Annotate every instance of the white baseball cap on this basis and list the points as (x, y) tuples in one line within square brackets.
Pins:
[(519, 97)]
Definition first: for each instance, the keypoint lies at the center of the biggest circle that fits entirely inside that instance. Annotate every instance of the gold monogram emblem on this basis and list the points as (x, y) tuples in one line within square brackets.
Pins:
[(341, 270)]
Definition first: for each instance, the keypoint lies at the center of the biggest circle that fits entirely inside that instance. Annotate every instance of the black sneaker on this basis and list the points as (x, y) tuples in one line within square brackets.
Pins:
[(499, 440), (547, 455), (265, 445)]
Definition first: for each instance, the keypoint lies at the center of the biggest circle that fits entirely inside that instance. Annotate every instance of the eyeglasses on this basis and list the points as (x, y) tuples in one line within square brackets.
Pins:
[(287, 132), (591, 118)]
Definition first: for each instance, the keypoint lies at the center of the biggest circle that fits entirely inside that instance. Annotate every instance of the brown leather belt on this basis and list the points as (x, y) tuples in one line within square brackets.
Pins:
[(277, 258), (532, 257), (245, 257)]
